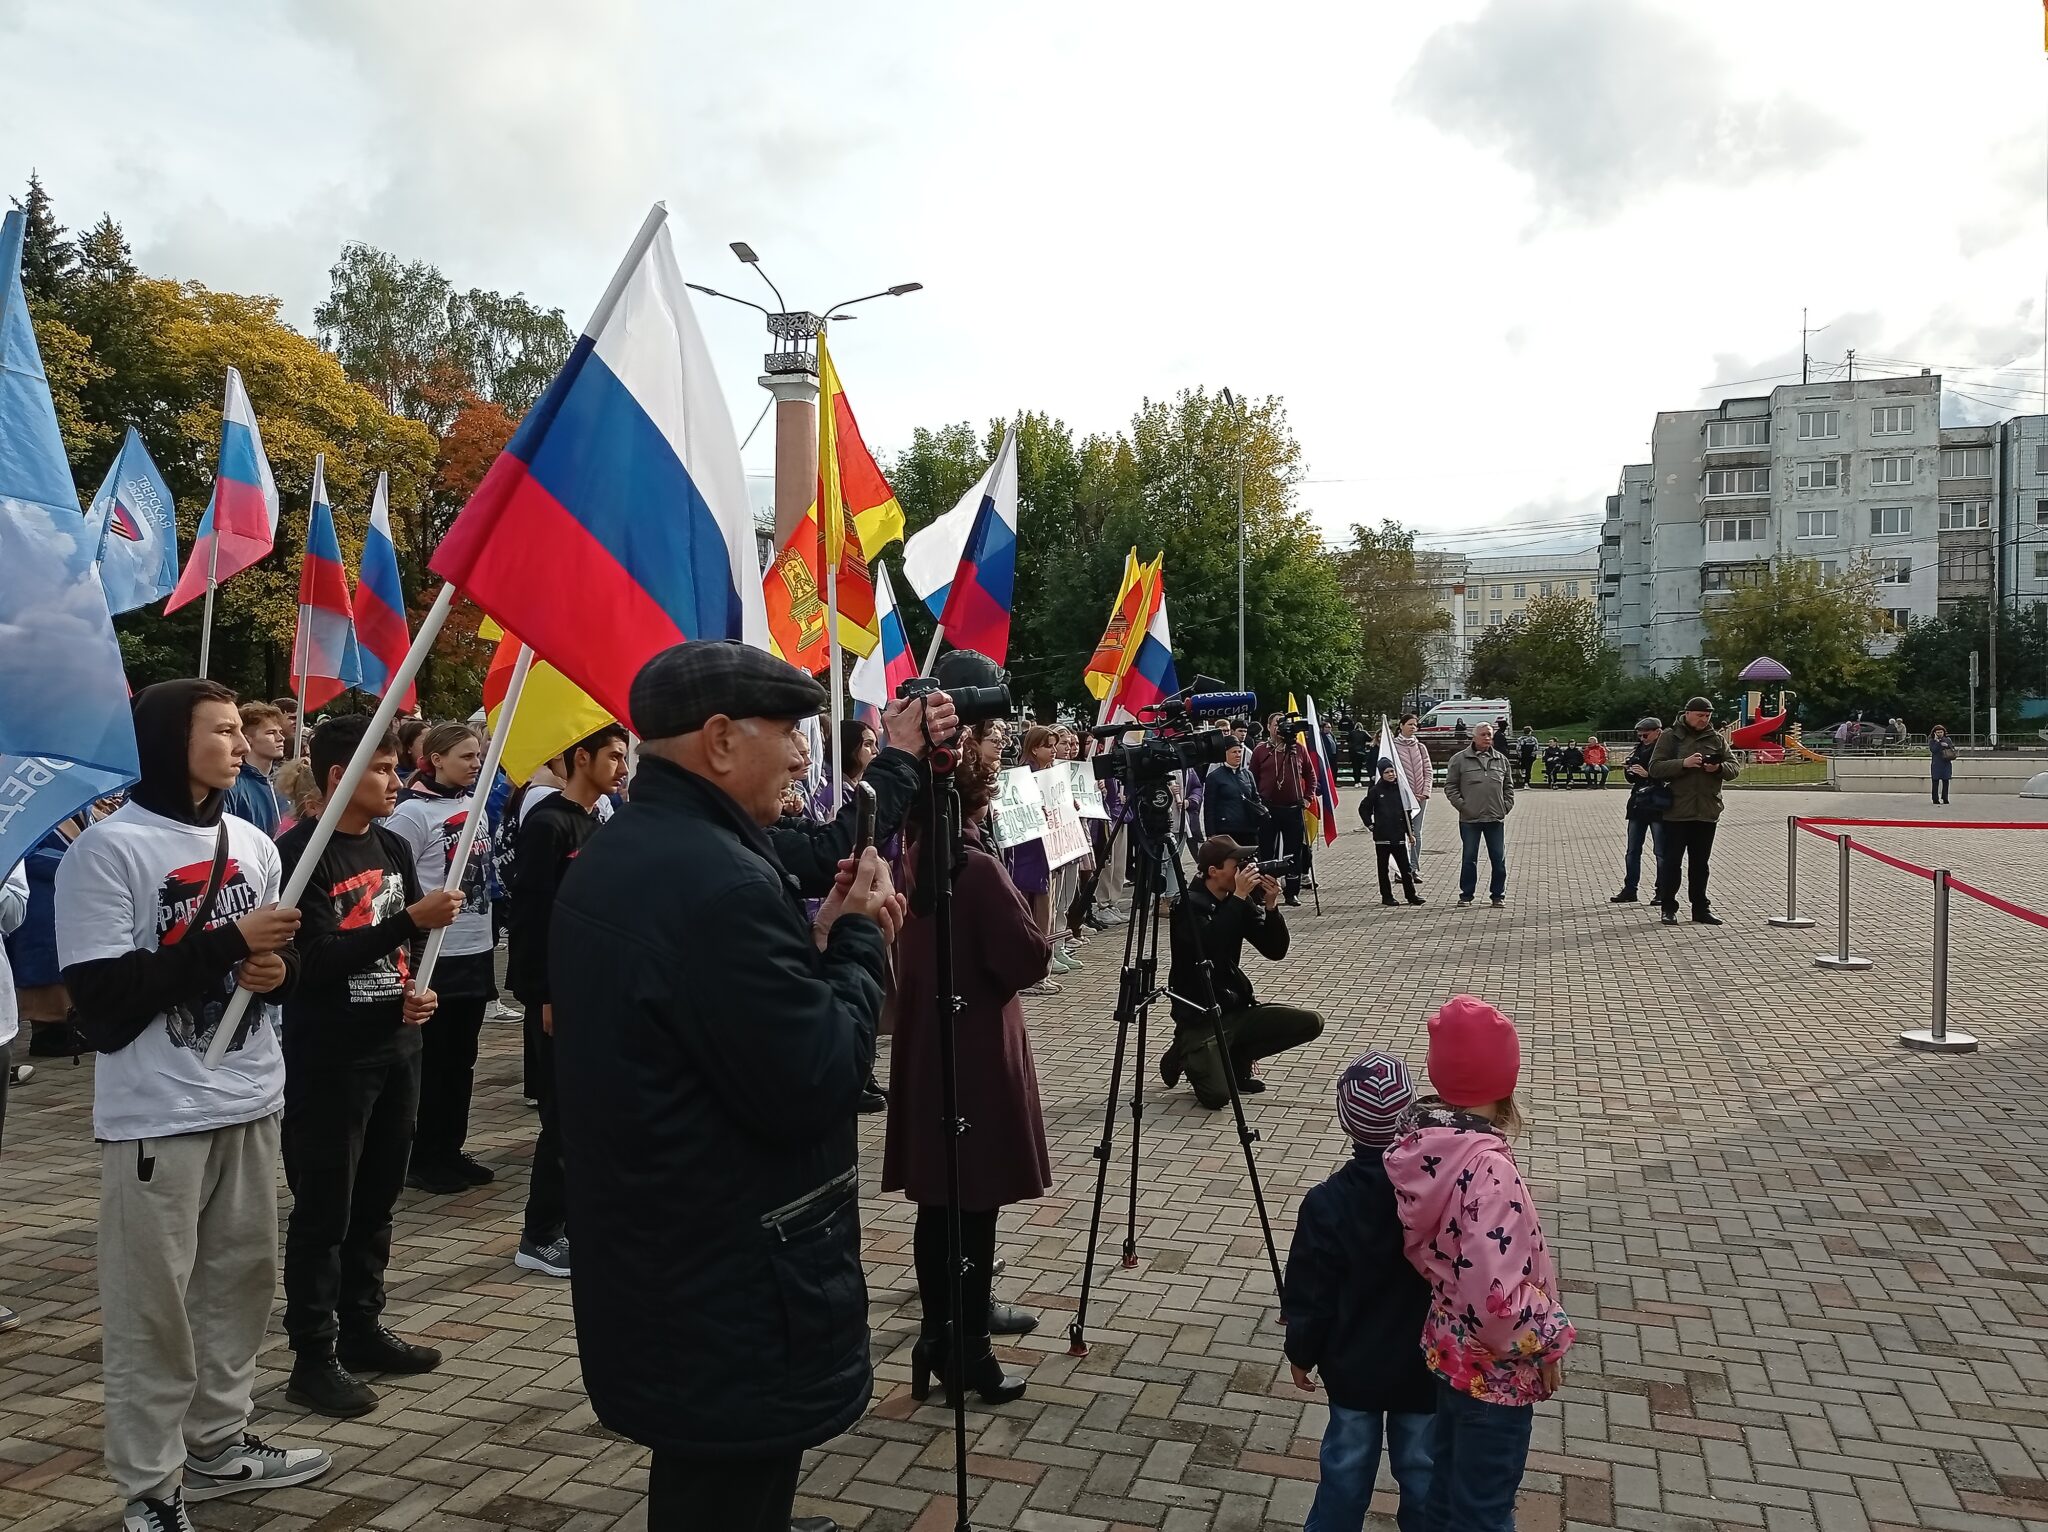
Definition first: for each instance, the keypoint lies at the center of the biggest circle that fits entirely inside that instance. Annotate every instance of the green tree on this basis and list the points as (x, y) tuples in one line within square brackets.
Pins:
[(1931, 666), (1552, 661), (1398, 616), (46, 256), (1819, 626)]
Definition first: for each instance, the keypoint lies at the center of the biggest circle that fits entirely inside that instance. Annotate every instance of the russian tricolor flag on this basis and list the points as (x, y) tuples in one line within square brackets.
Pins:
[(242, 514), (616, 521), (964, 565), (324, 662), (381, 634), (876, 677), (1151, 676)]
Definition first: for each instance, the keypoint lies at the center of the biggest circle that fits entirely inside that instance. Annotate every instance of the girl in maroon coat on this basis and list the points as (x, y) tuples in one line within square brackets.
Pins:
[(998, 949)]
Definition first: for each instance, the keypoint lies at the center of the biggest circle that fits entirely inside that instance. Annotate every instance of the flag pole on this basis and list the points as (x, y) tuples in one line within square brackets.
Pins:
[(300, 642), (465, 841), (330, 812), (206, 623), (838, 692), (932, 653)]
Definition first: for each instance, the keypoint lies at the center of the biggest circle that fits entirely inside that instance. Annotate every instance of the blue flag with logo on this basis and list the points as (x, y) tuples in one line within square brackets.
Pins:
[(137, 530), (66, 735)]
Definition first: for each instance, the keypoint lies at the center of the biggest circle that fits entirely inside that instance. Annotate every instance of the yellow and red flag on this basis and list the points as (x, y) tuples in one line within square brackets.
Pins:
[(1129, 615), (850, 485), (553, 711)]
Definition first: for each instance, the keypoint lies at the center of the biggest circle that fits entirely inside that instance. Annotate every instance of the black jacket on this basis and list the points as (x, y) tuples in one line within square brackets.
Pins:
[(709, 1062), (1230, 806), (811, 852), (1353, 1305), (1384, 814), (1202, 923), (1647, 797), (552, 834)]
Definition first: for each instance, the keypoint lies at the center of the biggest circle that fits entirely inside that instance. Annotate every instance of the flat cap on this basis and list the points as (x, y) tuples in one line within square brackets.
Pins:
[(1647, 722), (688, 684)]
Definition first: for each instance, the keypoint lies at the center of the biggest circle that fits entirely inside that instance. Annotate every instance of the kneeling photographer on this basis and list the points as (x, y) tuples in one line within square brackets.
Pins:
[(1234, 903)]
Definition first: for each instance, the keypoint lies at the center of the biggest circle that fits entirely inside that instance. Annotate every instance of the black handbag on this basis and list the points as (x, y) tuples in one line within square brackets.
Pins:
[(112, 1036)]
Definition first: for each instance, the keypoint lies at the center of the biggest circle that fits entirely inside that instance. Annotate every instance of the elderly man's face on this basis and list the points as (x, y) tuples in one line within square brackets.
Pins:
[(1482, 737), (754, 759)]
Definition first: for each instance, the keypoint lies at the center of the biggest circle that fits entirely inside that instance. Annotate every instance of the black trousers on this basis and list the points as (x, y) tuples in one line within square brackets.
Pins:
[(447, 1077), (726, 1495), (1281, 835), (1253, 1033), (347, 1136), (1940, 788), (1690, 841), (978, 1257), (547, 1194), (1397, 853)]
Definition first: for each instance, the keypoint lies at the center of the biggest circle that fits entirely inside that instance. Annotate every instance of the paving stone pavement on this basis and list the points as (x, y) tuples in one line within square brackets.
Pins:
[(1810, 1270)]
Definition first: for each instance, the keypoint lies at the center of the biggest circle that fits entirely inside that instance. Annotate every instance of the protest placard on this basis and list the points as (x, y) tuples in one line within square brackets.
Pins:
[(1066, 840), (1016, 817)]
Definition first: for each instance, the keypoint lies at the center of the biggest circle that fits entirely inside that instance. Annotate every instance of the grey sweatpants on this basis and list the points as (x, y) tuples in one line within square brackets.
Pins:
[(188, 1269)]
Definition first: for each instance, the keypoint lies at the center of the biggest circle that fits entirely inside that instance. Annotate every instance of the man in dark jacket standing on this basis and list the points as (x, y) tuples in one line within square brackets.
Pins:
[(1230, 805), (711, 1044), (1286, 777), (1647, 800), (1693, 760)]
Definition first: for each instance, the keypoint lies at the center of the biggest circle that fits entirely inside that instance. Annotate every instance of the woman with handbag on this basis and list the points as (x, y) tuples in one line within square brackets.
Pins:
[(1942, 761)]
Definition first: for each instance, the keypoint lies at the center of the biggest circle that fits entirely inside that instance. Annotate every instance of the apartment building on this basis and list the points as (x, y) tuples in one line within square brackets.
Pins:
[(1478, 592), (1836, 473)]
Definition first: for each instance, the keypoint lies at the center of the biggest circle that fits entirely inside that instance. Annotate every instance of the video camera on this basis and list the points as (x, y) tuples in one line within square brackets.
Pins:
[(1293, 726), (976, 683), (1172, 742)]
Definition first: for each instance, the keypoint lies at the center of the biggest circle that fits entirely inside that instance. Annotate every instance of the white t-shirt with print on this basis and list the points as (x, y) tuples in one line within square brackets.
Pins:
[(126, 882), (429, 826)]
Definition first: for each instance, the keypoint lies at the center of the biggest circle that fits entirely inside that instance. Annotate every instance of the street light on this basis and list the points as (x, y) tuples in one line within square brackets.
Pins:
[(1231, 400), (794, 329)]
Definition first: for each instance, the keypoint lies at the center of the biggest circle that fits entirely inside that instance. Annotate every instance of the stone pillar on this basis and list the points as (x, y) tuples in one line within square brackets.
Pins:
[(796, 447)]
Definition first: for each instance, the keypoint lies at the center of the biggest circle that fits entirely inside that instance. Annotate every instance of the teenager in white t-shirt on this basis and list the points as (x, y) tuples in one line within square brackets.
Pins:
[(188, 1155), (429, 820)]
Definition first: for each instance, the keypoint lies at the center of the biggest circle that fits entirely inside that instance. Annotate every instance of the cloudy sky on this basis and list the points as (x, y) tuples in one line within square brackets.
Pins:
[(1475, 244)]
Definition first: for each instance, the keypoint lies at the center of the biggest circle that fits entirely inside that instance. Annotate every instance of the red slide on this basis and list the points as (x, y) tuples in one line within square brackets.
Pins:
[(1756, 736)]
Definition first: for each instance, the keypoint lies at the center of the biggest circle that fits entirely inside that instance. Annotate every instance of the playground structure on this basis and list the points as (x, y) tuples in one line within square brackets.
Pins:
[(1757, 727)]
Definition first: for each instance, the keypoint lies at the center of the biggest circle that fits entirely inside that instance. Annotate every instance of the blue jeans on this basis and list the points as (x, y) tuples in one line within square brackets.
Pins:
[(1479, 1451), (1632, 867), (1351, 1462), (1495, 836)]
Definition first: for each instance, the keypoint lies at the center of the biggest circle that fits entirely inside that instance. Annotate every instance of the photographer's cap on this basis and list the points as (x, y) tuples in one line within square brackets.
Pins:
[(1371, 1096), (1218, 849), (688, 684)]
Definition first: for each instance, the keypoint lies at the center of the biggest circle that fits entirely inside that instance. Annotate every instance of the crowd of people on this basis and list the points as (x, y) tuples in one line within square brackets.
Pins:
[(698, 1049)]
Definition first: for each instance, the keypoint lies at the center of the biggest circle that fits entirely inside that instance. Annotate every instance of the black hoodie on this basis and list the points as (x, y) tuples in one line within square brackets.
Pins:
[(136, 986)]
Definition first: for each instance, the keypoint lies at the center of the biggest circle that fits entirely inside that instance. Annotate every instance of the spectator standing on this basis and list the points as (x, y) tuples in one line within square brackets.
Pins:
[(1363, 748), (1411, 754), (1941, 752), (1386, 817), (1354, 1307), (409, 731), (1647, 801), (430, 822), (713, 1041), (1525, 754), (298, 792), (1693, 760), (1480, 784), (552, 833), (162, 908), (1230, 804), (1496, 1333), (1285, 777), (999, 950), (252, 797), (352, 1078)]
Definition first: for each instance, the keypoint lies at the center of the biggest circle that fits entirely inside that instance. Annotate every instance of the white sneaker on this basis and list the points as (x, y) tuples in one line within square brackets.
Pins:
[(1058, 962), (500, 1011), (156, 1515), (1042, 987), (252, 1463), (1073, 958)]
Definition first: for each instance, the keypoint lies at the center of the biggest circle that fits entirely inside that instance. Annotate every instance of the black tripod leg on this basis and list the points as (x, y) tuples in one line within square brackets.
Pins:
[(1126, 1006), (1147, 971)]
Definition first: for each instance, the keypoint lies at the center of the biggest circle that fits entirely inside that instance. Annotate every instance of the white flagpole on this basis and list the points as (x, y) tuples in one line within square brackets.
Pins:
[(486, 775), (932, 653), (330, 813), (300, 642), (206, 623)]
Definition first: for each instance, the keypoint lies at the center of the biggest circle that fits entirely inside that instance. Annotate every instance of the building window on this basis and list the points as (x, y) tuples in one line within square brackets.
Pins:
[(1966, 564), (2041, 460), (1819, 425), (1736, 529), (1818, 473), (1891, 520), (1891, 420), (1493, 618), (1494, 592), (1738, 433), (1826, 568), (1897, 618), (2041, 563), (1731, 577), (1894, 571), (1521, 592), (1965, 515), (1891, 470), (1543, 589), (1966, 462), (2041, 513), (1817, 523), (1571, 589), (1738, 481)]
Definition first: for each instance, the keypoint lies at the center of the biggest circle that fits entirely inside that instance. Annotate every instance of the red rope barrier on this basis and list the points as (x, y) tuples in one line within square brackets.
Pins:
[(2019, 911), (1930, 824)]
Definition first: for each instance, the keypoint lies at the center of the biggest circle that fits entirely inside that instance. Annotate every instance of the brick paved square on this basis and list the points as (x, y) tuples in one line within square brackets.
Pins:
[(1810, 1269)]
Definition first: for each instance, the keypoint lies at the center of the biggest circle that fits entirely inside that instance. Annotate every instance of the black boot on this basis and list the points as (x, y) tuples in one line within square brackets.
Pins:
[(927, 1357), (378, 1350), (321, 1384), (985, 1376)]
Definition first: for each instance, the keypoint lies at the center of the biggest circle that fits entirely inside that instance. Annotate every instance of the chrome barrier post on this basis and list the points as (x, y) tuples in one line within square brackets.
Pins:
[(1937, 1038), (1791, 919), (1840, 958)]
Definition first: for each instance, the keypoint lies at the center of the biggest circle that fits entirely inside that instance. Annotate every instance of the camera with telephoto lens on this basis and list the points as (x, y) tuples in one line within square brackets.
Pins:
[(1281, 866), (976, 683)]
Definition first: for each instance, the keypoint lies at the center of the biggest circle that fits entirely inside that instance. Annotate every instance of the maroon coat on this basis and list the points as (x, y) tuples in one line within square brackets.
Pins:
[(998, 949), (1284, 776)]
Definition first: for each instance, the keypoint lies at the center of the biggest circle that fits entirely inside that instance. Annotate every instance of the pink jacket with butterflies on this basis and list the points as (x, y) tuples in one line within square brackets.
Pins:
[(1472, 1231)]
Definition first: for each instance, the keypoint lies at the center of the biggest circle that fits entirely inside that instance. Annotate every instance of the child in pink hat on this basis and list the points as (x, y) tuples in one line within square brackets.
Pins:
[(1496, 1333)]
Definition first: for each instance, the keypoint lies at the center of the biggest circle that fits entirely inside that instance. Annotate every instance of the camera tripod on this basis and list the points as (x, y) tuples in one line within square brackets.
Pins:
[(1154, 854)]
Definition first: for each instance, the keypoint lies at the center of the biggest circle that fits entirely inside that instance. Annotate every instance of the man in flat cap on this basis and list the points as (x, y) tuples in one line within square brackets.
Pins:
[(1692, 758), (711, 1043)]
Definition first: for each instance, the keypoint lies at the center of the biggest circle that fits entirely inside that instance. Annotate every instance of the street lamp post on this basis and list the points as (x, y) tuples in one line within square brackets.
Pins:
[(1231, 400)]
